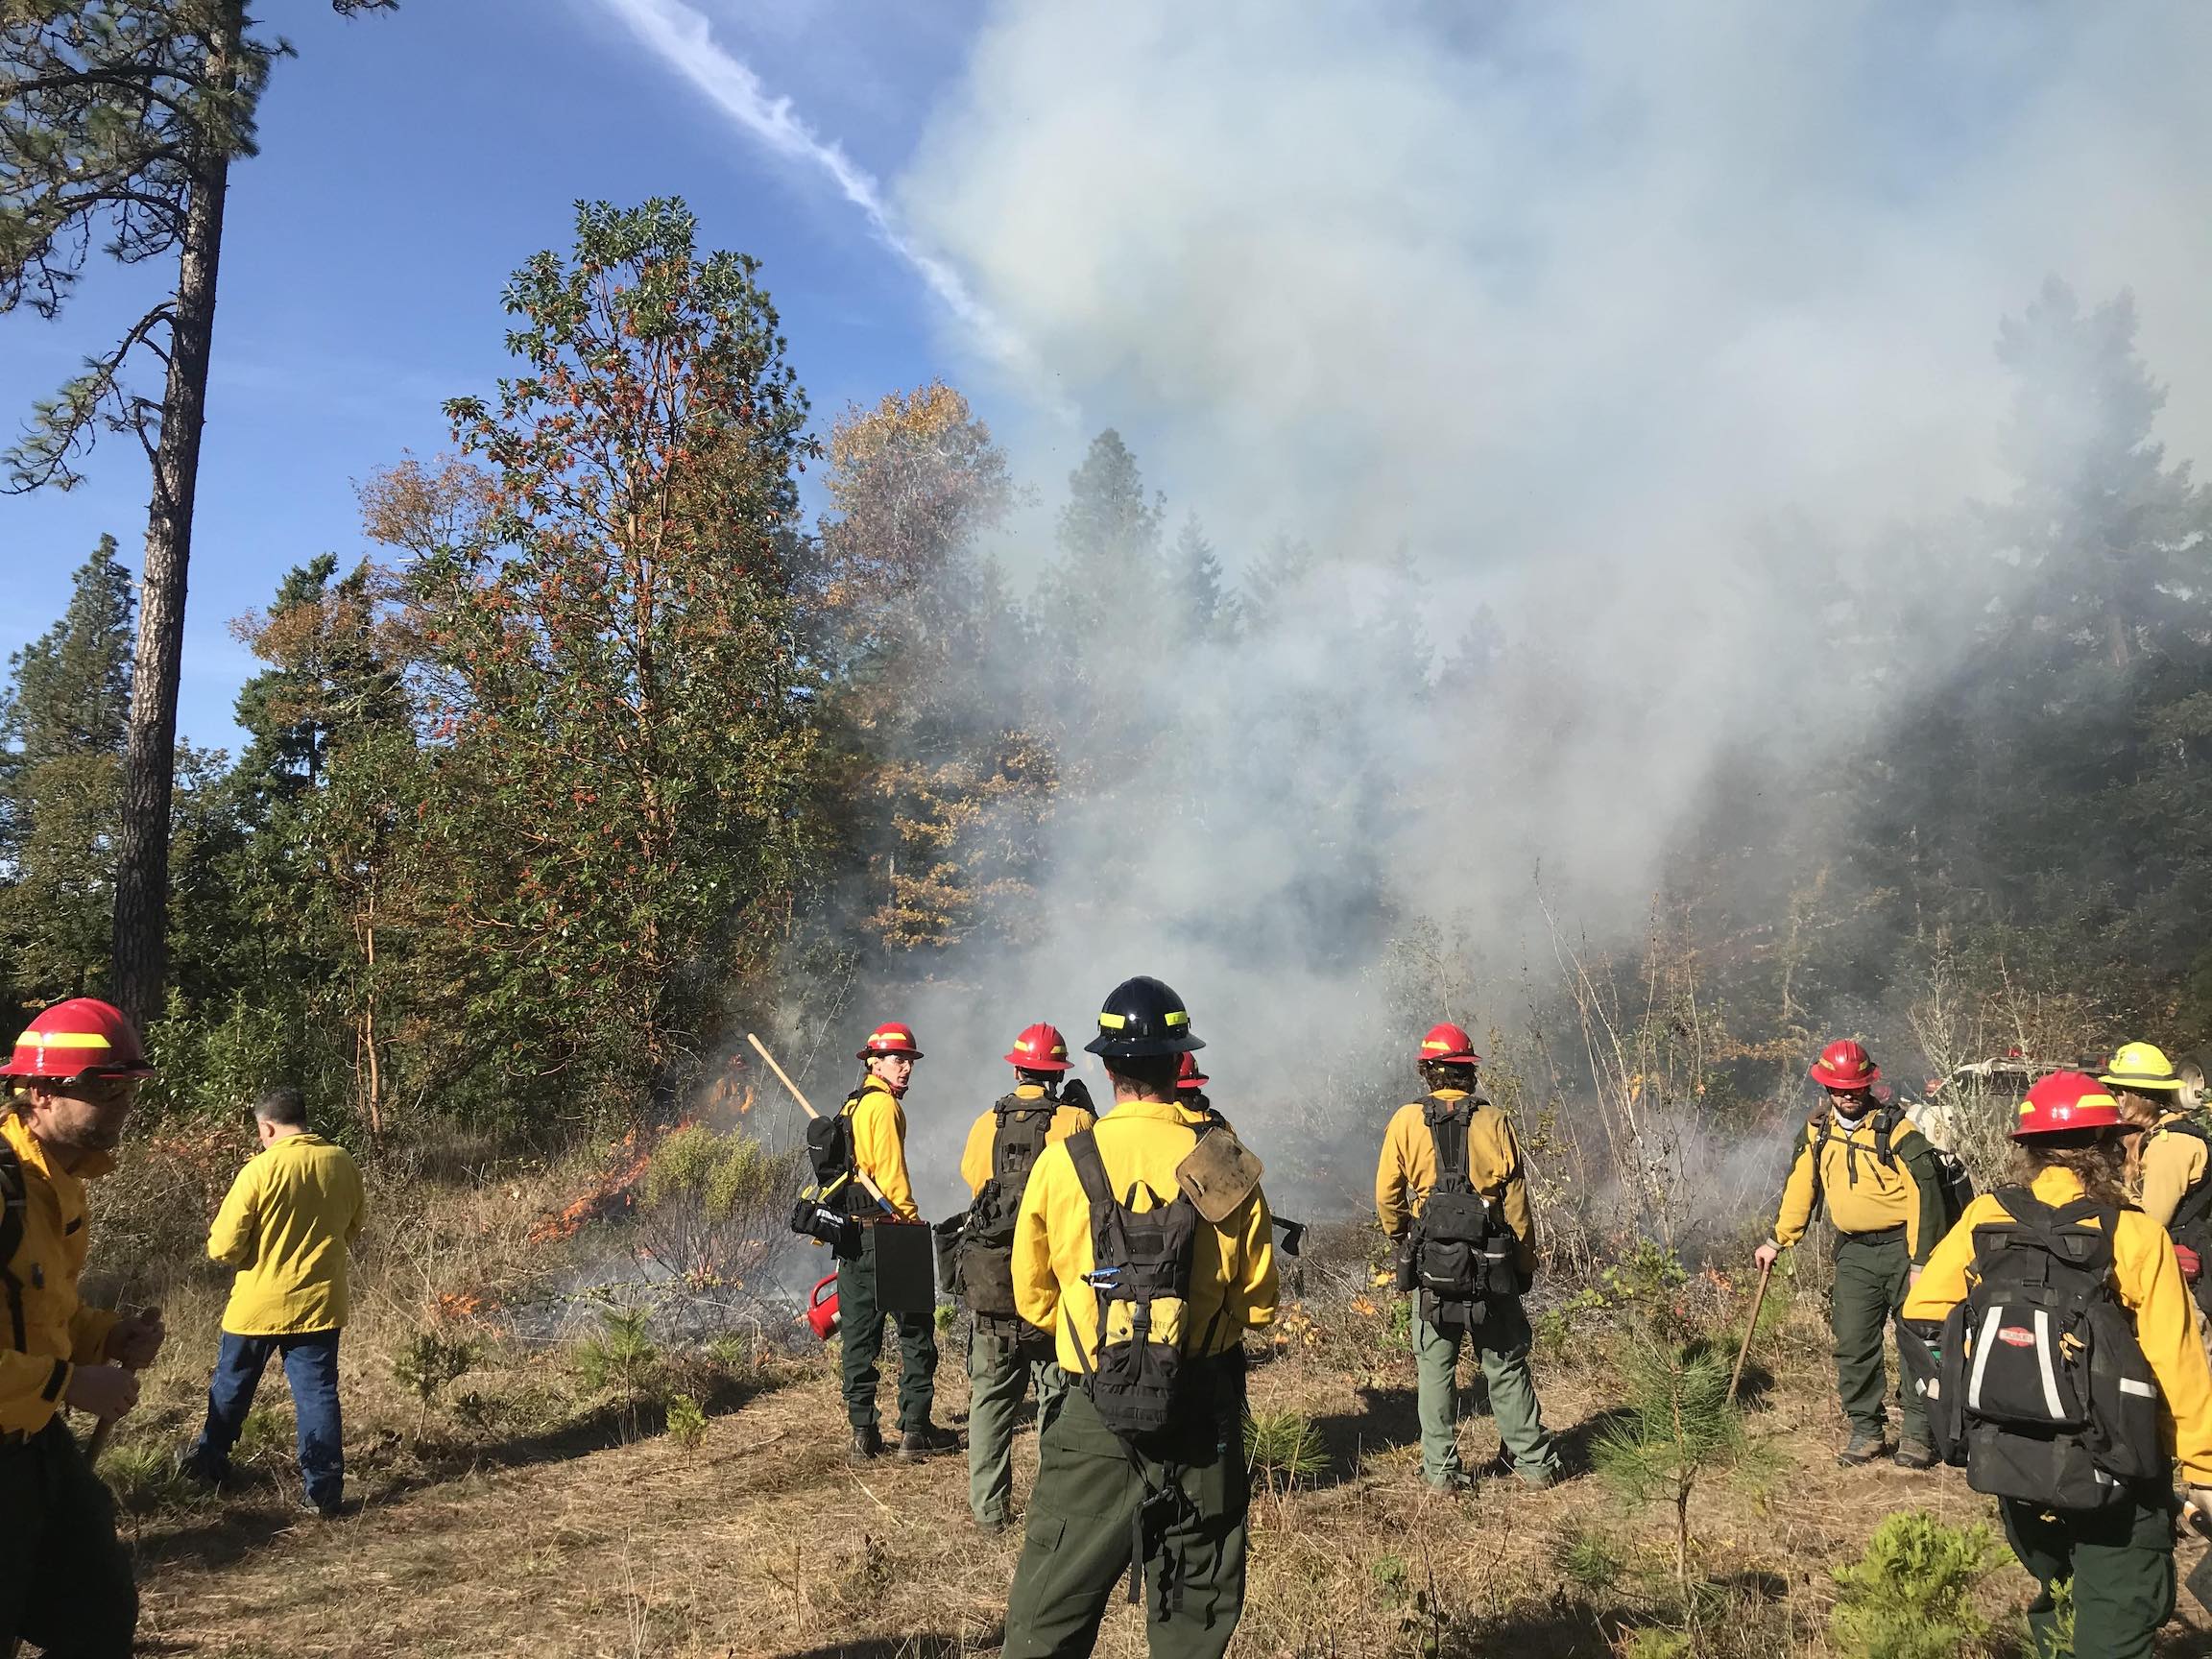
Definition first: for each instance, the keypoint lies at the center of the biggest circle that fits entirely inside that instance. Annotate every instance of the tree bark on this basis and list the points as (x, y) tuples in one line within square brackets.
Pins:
[(141, 942)]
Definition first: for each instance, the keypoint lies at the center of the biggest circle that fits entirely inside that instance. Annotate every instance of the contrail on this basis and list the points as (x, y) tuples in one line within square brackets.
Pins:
[(684, 40)]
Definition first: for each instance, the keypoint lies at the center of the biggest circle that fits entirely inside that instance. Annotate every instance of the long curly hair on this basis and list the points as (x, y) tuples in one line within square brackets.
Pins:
[(2096, 1158)]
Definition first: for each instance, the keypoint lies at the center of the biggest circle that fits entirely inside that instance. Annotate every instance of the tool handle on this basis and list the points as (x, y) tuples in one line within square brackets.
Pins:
[(103, 1430), (1750, 1326), (859, 1174)]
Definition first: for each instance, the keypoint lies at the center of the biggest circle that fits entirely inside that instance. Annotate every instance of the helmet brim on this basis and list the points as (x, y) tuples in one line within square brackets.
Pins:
[(1828, 1079), (1140, 1048), (1030, 1063), (889, 1054), (2168, 1085)]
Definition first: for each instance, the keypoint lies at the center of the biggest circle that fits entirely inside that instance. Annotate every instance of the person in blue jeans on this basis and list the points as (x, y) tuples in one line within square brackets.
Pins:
[(285, 1227)]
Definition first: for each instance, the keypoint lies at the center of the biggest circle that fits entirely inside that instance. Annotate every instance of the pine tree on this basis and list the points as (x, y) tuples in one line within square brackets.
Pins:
[(1209, 609), (1109, 537), (62, 733), (126, 114)]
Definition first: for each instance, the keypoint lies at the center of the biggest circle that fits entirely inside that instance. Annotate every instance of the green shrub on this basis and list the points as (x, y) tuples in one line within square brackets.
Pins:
[(144, 1476), (709, 1205), (1283, 1448), (1679, 1425), (425, 1362), (687, 1422), (1588, 1557), (619, 1356), (1908, 1596)]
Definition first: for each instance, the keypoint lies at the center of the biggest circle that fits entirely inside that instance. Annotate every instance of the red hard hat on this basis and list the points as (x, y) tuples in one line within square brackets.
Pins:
[(2065, 1101), (889, 1038), (1187, 1076), (82, 1037), (1039, 1049), (1449, 1042), (1844, 1064)]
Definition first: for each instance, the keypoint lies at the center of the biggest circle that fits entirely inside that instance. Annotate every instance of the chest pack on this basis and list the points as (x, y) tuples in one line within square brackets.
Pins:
[(2042, 1391), (985, 1253), (1142, 1263), (15, 1195), (1954, 1186), (1462, 1250)]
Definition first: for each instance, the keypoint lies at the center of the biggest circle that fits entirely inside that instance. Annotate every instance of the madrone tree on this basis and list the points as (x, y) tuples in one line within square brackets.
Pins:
[(620, 706)]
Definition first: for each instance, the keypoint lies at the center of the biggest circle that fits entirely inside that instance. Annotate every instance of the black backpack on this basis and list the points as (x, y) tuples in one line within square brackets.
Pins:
[(985, 1260), (1142, 1263), (2043, 1392), (827, 1210), (13, 1196), (1464, 1251), (2190, 1215)]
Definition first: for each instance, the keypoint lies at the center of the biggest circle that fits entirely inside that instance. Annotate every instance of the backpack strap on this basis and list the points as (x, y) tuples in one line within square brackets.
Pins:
[(1447, 1121), (15, 1195)]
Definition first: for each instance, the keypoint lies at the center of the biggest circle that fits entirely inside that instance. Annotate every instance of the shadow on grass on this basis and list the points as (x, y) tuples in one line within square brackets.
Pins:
[(1387, 1417), (1576, 1442), (217, 1538), (1567, 1630)]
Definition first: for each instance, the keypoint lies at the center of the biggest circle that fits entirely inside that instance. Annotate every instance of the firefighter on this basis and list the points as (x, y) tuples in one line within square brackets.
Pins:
[(1878, 1177), (65, 1581), (2118, 1555), (1005, 1356), (1191, 1092), (878, 1122), (2169, 1166), (1149, 1291), (1468, 1296)]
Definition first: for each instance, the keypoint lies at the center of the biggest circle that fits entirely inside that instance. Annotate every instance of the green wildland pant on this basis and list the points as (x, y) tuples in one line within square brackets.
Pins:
[(2120, 1561), (1872, 1270), (1076, 1548), (860, 1331), (1501, 1341), (1002, 1365), (65, 1577)]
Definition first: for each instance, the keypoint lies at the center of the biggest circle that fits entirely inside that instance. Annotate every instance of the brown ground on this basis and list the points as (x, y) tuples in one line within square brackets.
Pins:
[(763, 1541)]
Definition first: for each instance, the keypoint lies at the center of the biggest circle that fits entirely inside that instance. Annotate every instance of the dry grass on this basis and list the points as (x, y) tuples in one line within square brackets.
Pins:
[(540, 1519)]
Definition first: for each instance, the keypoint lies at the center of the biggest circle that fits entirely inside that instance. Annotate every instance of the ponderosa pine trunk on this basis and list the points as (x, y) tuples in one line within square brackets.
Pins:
[(141, 939)]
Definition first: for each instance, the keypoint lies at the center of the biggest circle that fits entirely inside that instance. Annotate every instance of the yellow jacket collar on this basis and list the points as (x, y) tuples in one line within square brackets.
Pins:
[(1029, 1092), (2056, 1186), (1156, 1110), (33, 1151)]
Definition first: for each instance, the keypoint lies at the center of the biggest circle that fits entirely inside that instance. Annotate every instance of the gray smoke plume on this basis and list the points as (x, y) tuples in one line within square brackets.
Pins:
[(1627, 323)]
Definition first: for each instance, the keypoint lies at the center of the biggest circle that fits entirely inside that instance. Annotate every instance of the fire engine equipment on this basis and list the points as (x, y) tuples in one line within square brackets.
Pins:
[(1142, 1019), (2064, 1103), (1039, 1049), (1450, 1044), (822, 1307), (83, 1037), (2142, 1065), (1844, 1065), (1188, 1076)]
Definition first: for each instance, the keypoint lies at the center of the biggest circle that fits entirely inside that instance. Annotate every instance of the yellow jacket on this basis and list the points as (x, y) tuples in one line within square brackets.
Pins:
[(286, 1226), (1861, 1193), (2150, 1286), (2172, 1164), (1408, 1169), (1141, 1143), (880, 1146), (60, 1333), (983, 1135)]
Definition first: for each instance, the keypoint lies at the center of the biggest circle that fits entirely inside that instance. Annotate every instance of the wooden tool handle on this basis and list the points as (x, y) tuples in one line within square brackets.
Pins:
[(859, 1174)]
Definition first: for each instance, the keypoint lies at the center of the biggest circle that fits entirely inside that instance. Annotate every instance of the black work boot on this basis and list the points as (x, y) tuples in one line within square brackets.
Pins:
[(916, 1444), (867, 1443)]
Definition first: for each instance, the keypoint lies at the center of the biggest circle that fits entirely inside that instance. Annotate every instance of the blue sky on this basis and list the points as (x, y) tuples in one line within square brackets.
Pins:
[(408, 163)]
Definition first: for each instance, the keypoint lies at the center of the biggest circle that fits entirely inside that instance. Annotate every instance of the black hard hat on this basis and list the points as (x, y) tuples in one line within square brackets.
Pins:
[(1142, 1016)]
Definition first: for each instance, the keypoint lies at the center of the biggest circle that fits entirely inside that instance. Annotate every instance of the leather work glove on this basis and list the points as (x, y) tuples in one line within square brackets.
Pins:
[(2192, 1263)]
